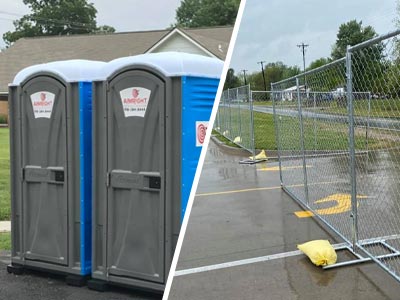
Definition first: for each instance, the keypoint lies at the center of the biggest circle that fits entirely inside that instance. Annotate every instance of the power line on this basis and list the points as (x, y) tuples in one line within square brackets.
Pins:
[(244, 75), (303, 48), (262, 72)]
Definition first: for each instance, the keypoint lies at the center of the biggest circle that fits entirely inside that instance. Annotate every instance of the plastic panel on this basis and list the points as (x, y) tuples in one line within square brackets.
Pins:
[(198, 95), (85, 139)]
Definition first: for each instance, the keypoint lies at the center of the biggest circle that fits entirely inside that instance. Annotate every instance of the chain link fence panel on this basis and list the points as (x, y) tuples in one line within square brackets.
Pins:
[(375, 67), (264, 134), (340, 125), (289, 137), (234, 118)]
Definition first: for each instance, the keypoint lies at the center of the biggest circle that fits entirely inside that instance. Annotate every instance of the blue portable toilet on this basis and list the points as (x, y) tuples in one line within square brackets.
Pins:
[(51, 149), (150, 115)]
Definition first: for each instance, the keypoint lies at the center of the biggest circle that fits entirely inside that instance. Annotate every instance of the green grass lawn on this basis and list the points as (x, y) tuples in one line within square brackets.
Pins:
[(379, 108), (5, 241), (263, 103), (264, 131), (318, 135), (236, 123), (224, 139), (4, 174)]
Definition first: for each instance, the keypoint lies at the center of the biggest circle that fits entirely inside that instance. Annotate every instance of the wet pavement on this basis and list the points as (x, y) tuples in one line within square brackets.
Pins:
[(41, 286), (239, 213)]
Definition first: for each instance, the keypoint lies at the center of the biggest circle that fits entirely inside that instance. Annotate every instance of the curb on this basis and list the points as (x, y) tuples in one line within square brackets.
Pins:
[(272, 154)]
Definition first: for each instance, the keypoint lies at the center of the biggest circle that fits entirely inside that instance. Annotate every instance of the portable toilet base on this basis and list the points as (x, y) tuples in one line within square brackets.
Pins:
[(150, 114), (50, 139)]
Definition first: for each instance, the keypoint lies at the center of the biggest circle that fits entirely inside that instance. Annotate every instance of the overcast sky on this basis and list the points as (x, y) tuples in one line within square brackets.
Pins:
[(123, 15), (270, 30)]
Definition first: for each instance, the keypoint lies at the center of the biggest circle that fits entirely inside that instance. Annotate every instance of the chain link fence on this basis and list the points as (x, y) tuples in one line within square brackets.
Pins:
[(338, 134), (234, 119), (264, 137)]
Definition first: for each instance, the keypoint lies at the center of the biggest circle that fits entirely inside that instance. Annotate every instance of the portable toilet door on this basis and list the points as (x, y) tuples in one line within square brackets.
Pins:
[(137, 144), (50, 134)]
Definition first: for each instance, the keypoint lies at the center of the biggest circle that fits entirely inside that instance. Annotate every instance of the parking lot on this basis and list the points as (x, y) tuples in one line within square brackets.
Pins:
[(42, 286), (241, 242)]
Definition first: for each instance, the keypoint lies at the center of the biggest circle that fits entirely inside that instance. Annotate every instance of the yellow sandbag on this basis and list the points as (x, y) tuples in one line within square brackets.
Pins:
[(237, 139), (262, 156), (320, 252)]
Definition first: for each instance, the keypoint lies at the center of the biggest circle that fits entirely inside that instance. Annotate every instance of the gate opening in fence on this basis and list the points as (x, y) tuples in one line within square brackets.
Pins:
[(338, 138)]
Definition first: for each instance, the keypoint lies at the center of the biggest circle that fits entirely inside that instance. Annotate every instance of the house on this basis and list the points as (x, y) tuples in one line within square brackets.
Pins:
[(208, 41), (290, 93)]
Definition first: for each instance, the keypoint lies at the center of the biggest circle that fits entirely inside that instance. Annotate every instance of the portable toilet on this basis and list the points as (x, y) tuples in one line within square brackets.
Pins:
[(50, 137), (150, 115)]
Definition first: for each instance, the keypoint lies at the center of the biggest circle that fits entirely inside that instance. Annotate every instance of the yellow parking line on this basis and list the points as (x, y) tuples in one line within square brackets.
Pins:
[(244, 190), (276, 168), (262, 189)]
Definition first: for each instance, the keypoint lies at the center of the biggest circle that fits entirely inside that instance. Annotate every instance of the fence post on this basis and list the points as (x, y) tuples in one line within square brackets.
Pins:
[(277, 138), (240, 117), (315, 121), (367, 129), (299, 106), (253, 145), (352, 149), (230, 116)]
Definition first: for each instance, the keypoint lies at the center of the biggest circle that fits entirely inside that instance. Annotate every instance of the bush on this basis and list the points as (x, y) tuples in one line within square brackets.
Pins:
[(3, 119)]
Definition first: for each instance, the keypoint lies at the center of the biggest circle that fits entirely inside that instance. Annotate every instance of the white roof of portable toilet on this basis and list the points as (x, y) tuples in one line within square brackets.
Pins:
[(69, 70), (171, 64)]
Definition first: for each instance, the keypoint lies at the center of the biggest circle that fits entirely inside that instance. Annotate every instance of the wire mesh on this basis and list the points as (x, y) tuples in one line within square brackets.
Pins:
[(289, 141), (326, 144), (376, 70), (344, 134), (234, 118), (264, 136)]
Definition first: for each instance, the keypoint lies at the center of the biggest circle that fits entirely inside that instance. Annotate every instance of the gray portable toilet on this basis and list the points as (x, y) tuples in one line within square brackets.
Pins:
[(150, 115), (50, 139)]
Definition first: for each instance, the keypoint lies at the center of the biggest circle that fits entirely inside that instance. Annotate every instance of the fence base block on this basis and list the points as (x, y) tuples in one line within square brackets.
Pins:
[(251, 161), (361, 259)]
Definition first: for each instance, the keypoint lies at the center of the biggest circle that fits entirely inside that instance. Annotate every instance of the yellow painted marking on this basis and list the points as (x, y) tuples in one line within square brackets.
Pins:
[(343, 204), (303, 214), (276, 168), (239, 191), (261, 189)]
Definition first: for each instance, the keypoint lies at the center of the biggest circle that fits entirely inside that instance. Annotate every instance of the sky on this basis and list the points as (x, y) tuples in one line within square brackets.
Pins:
[(123, 15), (271, 30)]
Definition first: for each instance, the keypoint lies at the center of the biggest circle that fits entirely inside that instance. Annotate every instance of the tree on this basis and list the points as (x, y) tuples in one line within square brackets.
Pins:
[(273, 72), (365, 61), (56, 17), (351, 33), (231, 80), (201, 13), (319, 63)]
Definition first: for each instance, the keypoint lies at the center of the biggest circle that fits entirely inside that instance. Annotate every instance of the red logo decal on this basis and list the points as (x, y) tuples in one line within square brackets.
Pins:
[(135, 93), (201, 133), (42, 96)]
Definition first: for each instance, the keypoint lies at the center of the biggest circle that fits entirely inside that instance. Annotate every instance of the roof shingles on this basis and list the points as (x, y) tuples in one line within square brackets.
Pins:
[(104, 47)]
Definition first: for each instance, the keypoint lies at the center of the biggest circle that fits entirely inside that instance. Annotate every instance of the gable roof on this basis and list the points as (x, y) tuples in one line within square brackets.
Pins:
[(213, 40), (104, 47)]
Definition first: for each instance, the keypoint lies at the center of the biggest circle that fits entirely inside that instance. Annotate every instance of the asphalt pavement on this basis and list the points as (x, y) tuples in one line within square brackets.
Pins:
[(242, 236), (42, 286)]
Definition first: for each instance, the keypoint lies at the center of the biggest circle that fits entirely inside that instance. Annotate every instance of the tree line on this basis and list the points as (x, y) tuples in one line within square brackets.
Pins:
[(66, 17), (372, 68)]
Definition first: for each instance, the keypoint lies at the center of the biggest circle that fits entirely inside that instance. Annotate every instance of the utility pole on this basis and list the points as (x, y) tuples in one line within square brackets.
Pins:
[(262, 72), (244, 75), (303, 49)]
